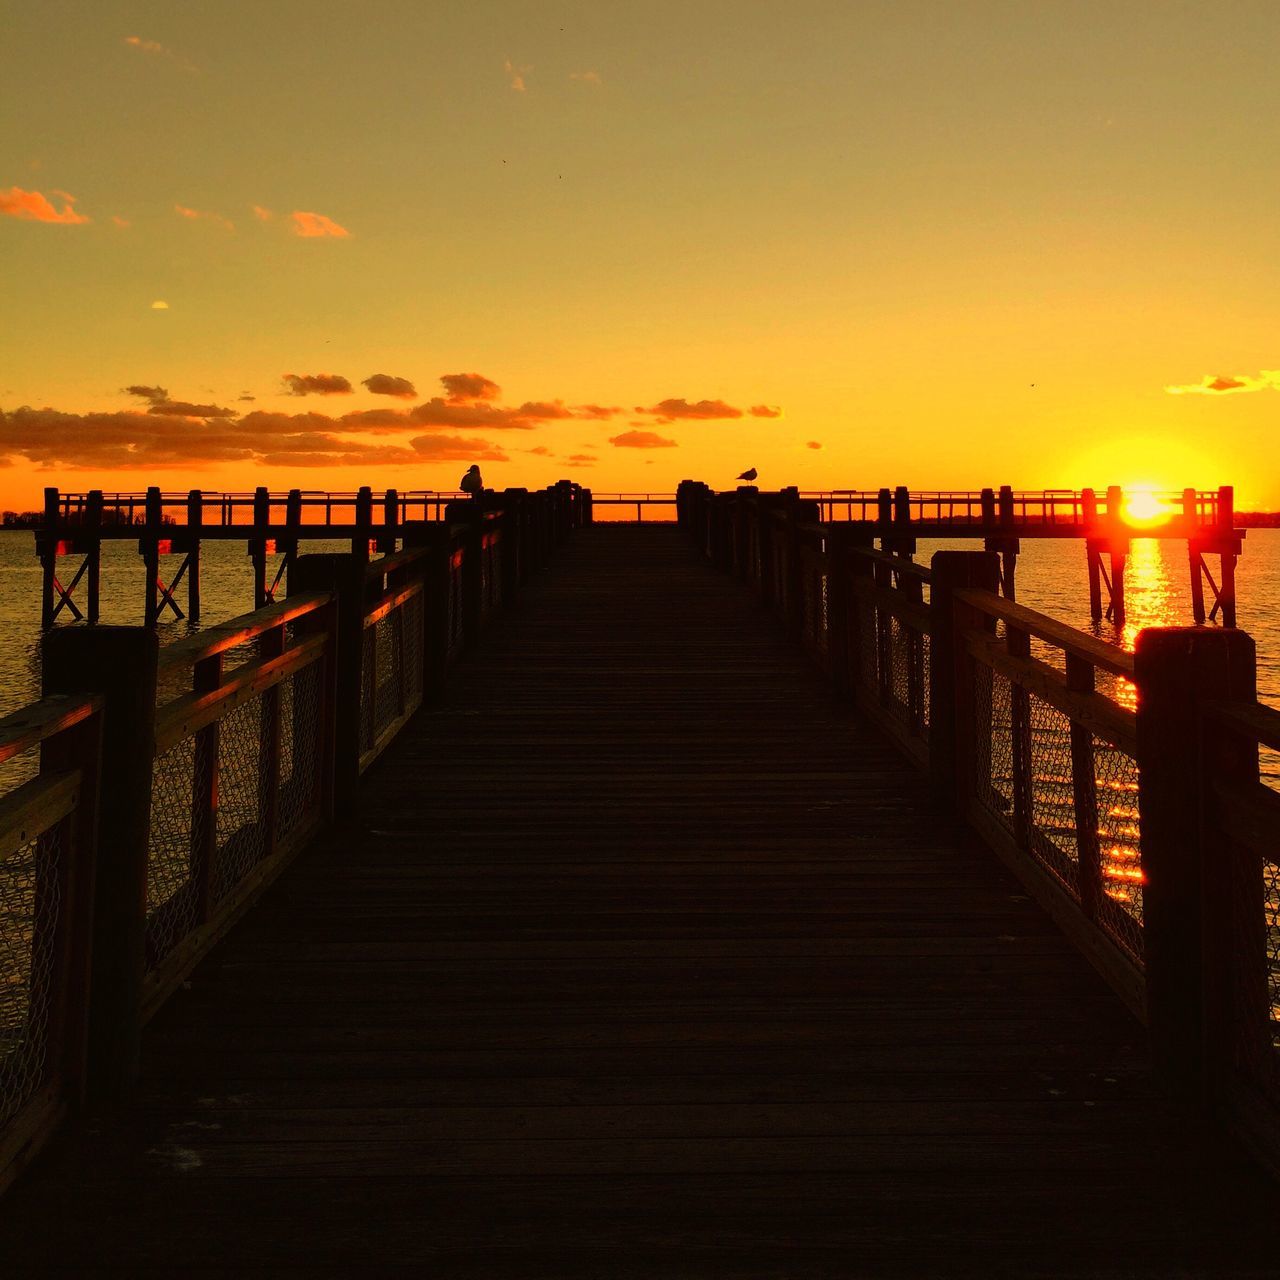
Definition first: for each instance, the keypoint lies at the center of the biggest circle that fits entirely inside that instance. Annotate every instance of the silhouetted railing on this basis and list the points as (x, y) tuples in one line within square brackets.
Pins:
[(174, 784), (48, 834), (1122, 788)]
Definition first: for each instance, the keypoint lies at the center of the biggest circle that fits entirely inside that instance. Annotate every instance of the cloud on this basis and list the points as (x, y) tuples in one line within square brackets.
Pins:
[(670, 410), (262, 215), (185, 409), (587, 77), (320, 384), (582, 459), (31, 206), (516, 75), (159, 305), (310, 226), (599, 411), (813, 444), (765, 411), (469, 386), (119, 221), (641, 440), (541, 450), (194, 215), (246, 396), (156, 49), (156, 439), (146, 392), (383, 384), (1223, 384)]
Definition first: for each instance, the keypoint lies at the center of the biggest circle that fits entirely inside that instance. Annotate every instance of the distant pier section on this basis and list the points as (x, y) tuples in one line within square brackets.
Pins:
[(170, 527)]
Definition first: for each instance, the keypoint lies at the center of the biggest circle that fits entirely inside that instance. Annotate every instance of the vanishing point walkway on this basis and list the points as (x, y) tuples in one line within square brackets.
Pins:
[(641, 960)]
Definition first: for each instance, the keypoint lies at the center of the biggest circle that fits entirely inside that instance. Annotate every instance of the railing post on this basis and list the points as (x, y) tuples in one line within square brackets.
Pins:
[(1178, 670), (471, 515), (119, 663), (949, 572), (345, 576), (434, 537)]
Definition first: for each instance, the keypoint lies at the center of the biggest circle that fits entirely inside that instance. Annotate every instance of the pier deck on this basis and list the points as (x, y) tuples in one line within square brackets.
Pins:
[(640, 959)]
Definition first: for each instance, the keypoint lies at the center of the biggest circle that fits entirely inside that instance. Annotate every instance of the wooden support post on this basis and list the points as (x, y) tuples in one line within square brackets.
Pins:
[(1178, 670), (93, 550), (120, 664), (1117, 611), (987, 503), (49, 556), (884, 518), (1095, 579), (364, 522), (839, 644), (1227, 588), (150, 549), (344, 575), (258, 544), (950, 571), (512, 503), (195, 521), (588, 515), (390, 522)]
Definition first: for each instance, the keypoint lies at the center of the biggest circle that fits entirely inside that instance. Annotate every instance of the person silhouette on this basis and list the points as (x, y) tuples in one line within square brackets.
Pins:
[(471, 482)]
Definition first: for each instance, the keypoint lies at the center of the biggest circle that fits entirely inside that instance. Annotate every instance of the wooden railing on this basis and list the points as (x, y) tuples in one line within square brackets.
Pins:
[(174, 785), (1122, 788), (47, 840)]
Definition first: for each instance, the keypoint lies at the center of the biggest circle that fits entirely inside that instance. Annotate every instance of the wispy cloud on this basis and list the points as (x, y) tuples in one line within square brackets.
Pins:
[(311, 226), (319, 384), (813, 444), (262, 215), (1225, 384), (765, 411), (157, 50), (587, 77), (516, 75), (32, 206), (159, 305), (383, 384), (641, 440), (119, 221), (201, 215), (700, 410)]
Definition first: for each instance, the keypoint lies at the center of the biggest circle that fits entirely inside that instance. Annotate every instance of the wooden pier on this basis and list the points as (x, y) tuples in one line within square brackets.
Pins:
[(553, 899)]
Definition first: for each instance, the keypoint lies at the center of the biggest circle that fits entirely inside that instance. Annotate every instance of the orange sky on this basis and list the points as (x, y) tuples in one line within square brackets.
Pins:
[(852, 244)]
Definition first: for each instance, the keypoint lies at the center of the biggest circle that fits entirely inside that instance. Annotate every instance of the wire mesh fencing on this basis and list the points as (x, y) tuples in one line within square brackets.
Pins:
[(391, 669)]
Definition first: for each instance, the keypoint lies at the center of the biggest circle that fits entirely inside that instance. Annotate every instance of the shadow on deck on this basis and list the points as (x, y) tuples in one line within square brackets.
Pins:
[(640, 959)]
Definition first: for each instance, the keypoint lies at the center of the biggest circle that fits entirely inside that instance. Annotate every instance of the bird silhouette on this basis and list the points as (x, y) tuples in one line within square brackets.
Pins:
[(471, 482), (749, 475)]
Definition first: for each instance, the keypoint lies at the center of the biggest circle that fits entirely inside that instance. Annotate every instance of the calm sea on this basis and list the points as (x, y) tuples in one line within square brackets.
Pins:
[(1051, 578)]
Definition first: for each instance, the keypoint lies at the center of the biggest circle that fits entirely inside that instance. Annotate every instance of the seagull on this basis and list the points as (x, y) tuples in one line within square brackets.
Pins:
[(471, 482), (749, 475)]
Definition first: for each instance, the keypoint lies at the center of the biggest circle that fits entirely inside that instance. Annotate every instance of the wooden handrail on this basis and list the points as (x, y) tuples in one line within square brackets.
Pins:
[(31, 725), (226, 635), (899, 564), (1258, 721), (1106, 657)]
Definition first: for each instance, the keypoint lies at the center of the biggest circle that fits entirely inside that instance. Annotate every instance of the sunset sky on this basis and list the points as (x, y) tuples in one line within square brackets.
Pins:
[(952, 243)]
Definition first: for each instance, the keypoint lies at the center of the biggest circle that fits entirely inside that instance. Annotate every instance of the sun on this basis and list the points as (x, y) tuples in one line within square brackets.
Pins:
[(1142, 507)]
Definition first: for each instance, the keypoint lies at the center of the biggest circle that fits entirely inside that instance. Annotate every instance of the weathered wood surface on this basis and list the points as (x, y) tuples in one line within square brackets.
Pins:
[(640, 960)]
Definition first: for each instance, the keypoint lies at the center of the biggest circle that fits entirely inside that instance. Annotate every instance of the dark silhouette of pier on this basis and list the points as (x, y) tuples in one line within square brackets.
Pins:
[(645, 946)]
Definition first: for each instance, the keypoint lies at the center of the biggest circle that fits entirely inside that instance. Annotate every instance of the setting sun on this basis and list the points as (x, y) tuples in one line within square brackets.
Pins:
[(1142, 507)]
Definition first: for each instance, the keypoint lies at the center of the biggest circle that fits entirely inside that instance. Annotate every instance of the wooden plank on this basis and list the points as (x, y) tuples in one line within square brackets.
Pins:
[(36, 723)]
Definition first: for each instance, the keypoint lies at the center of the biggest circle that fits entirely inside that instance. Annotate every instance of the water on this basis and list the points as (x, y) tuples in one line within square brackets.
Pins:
[(1051, 577)]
